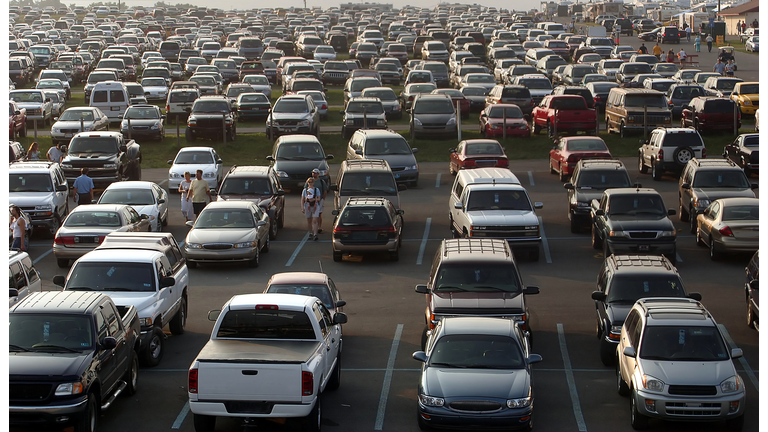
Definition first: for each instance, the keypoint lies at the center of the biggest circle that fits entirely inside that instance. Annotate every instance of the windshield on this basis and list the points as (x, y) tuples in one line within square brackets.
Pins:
[(374, 184), (498, 200), (578, 72), (266, 324), (721, 179), (511, 112), (55, 332), (637, 69), (246, 186), (30, 183), (682, 343), (636, 204), (193, 157), (210, 107), (474, 91), (477, 352), (300, 151), (645, 100), (420, 88), (133, 197), (92, 145), (203, 80), (386, 67), (433, 107), (749, 89), (586, 145), (477, 277), (232, 92), (629, 288), (535, 83), (386, 146), (291, 106), (92, 219), (360, 85), (112, 276), (324, 50), (666, 68), (50, 84), (361, 217), (27, 97), (75, 115), (142, 113), (224, 218), (383, 95), (256, 79), (367, 107)]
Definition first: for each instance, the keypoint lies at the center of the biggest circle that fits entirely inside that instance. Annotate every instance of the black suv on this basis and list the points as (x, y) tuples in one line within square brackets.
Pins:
[(589, 179), (259, 184), (705, 180), (633, 220), (668, 35), (207, 117), (622, 281)]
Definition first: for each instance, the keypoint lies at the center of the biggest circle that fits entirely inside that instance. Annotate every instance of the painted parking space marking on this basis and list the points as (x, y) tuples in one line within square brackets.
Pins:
[(298, 249), (544, 242), (388, 379), (182, 415), (437, 180), (530, 178), (571, 382), (45, 254), (424, 240), (742, 360)]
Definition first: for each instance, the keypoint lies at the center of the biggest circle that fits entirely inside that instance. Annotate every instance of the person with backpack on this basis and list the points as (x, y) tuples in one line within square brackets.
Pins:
[(310, 206)]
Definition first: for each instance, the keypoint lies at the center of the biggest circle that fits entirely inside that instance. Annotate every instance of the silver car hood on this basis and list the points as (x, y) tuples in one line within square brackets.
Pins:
[(221, 235), (72, 124), (689, 372)]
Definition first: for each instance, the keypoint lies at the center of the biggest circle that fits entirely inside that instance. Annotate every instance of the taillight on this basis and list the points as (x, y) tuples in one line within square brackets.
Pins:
[(502, 163), (167, 108), (532, 104), (598, 98), (64, 240), (469, 163), (324, 106), (702, 116), (192, 382), (307, 383), (573, 158), (660, 155), (389, 232), (726, 231), (703, 153)]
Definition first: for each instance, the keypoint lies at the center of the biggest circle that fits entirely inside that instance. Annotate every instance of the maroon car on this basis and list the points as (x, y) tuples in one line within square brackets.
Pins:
[(711, 113), (568, 151), (492, 120), (477, 153)]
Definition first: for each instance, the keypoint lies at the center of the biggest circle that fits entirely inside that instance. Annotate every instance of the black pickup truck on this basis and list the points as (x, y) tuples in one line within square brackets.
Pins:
[(108, 156), (71, 354)]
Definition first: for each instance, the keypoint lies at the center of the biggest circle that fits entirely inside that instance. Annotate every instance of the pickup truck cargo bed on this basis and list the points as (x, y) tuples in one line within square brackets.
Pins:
[(257, 351)]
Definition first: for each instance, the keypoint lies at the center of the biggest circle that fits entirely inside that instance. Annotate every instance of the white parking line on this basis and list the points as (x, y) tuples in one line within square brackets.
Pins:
[(677, 257), (182, 415), (544, 242), (742, 360), (388, 379), (424, 242), (298, 249), (45, 254), (437, 180), (571, 382), (163, 182), (530, 178)]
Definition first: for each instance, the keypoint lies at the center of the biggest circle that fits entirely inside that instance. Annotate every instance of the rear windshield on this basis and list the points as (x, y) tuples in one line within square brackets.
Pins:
[(746, 212), (637, 69), (719, 106), (587, 145), (368, 183), (363, 217), (687, 92), (534, 83), (517, 93), (386, 146), (183, 96), (251, 43), (132, 197), (568, 103), (511, 112), (384, 95), (245, 186), (266, 324)]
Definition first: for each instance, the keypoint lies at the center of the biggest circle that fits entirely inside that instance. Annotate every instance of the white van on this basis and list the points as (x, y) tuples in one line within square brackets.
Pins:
[(112, 98)]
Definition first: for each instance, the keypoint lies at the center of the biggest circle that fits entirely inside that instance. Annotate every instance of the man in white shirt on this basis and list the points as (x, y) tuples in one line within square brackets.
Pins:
[(55, 154)]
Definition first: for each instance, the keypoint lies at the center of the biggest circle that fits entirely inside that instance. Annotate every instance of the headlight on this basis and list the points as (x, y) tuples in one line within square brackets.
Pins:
[(451, 122), (191, 121), (174, 175), (46, 207), (672, 233), (652, 383), (730, 385), (156, 126), (282, 174), (381, 122), (746, 102), (110, 166), (416, 121), (246, 244), (701, 203), (304, 123), (145, 322), (123, 124), (582, 204), (349, 121), (323, 173), (519, 403), (431, 401), (193, 246), (55, 130), (209, 175), (617, 234), (68, 389), (413, 167)]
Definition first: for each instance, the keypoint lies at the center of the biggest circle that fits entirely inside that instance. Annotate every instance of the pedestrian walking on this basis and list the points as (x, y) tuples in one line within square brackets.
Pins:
[(738, 26), (323, 187), (309, 206), (198, 190), (186, 204), (682, 56), (730, 68), (688, 33), (33, 153), (709, 42), (55, 153), (744, 26), (19, 228), (657, 51), (82, 188), (719, 67), (642, 49), (697, 43), (671, 56)]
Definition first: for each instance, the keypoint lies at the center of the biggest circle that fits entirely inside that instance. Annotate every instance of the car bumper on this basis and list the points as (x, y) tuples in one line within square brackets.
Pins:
[(290, 130), (731, 244), (504, 420), (511, 132), (689, 408), (63, 252), (642, 247), (749, 109), (205, 255), (58, 414), (219, 409), (389, 246), (406, 175), (435, 130), (42, 221)]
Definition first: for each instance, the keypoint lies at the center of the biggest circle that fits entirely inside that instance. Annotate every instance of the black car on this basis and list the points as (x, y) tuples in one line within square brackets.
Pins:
[(295, 156), (212, 117), (259, 184), (680, 95), (668, 35), (143, 121), (589, 179), (623, 280), (745, 152)]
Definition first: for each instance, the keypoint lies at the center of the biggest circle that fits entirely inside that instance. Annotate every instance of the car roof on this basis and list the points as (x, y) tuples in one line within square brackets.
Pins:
[(236, 204), (633, 264), (59, 302), (121, 255), (131, 185), (478, 326), (287, 301), (98, 207), (298, 277)]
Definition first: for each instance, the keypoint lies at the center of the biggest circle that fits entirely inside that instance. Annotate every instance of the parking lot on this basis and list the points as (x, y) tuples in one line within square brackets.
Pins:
[(573, 390)]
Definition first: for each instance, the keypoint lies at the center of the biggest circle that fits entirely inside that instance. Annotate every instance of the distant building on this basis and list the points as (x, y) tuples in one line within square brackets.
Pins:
[(748, 12)]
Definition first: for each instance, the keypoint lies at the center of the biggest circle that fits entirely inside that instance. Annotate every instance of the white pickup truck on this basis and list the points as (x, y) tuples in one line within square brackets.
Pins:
[(269, 356)]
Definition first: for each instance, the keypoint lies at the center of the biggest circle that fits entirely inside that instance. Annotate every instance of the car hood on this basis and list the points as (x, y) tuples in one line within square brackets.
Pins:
[(448, 302), (31, 199), (142, 300), (290, 116), (587, 195), (30, 105), (717, 193), (72, 124), (150, 210), (221, 235), (192, 168), (503, 217), (299, 166), (618, 311), (632, 223), (395, 161), (434, 118), (690, 372), (49, 364), (487, 383)]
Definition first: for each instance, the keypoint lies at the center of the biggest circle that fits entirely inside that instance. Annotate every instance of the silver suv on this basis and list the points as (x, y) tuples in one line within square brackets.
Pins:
[(674, 364), (669, 149), (40, 190), (433, 114), (294, 114)]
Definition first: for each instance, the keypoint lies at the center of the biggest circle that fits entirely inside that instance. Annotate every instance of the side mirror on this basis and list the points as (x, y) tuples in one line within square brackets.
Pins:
[(420, 356), (123, 148), (531, 290), (630, 352), (686, 107), (219, 161), (643, 142), (598, 295), (213, 315), (190, 224), (59, 280), (170, 162), (452, 150), (341, 303), (329, 157), (753, 284), (340, 318), (599, 212), (686, 186), (335, 187), (538, 205), (483, 115), (108, 343), (260, 223), (17, 112), (189, 109), (270, 158), (162, 116), (400, 212), (736, 353), (213, 192), (414, 150), (700, 211), (695, 296), (458, 205), (754, 186), (671, 212), (335, 212), (280, 192), (167, 281), (401, 187), (569, 186), (161, 201), (533, 358), (13, 292), (144, 217), (61, 188), (358, 152), (422, 289)]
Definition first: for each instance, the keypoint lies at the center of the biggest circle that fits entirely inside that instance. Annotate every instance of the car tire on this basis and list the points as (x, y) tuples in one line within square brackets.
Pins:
[(550, 130), (56, 225), (423, 425), (188, 135), (191, 264), (596, 242), (273, 228), (266, 246), (337, 256), (131, 376), (62, 262), (714, 254), (311, 423), (575, 228), (204, 423), (637, 420), (256, 258), (656, 170), (684, 215), (621, 386), (536, 128), (641, 164), (335, 380), (154, 351), (607, 353), (750, 315), (692, 220), (562, 175), (179, 321), (424, 337), (622, 130), (86, 421)]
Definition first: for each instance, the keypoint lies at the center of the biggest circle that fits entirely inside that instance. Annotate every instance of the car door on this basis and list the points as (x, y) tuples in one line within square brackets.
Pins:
[(105, 358), (601, 222), (18, 281), (218, 164), (629, 336), (166, 296), (706, 221), (61, 197), (135, 221), (332, 337), (121, 352), (556, 154), (161, 200)]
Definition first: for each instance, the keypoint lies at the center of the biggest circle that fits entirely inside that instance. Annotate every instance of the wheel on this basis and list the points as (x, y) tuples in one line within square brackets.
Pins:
[(684, 215), (714, 254), (188, 135), (692, 220), (281, 219), (562, 175), (424, 338), (637, 420), (312, 421), (641, 164), (596, 242), (337, 256), (575, 228), (191, 264), (656, 170), (735, 424), (682, 155), (273, 229), (394, 256), (550, 130), (256, 259), (621, 386), (552, 169), (154, 351), (267, 244), (131, 376), (608, 126), (536, 128), (423, 425), (56, 224), (750, 315), (86, 422), (622, 130), (23, 131), (179, 321), (607, 353), (335, 380), (606, 250), (62, 263), (204, 423), (533, 255)]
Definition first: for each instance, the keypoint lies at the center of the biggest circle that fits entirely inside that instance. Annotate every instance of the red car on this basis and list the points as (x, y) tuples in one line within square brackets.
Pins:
[(456, 96), (568, 151), (492, 121), (709, 113), (564, 113), (477, 153)]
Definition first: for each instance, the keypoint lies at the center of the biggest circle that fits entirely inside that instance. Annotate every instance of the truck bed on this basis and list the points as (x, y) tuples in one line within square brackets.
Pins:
[(257, 351)]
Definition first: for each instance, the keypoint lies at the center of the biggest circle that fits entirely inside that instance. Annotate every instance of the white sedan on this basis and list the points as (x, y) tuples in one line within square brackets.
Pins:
[(753, 44), (192, 159), (260, 84), (155, 88), (323, 53), (145, 197)]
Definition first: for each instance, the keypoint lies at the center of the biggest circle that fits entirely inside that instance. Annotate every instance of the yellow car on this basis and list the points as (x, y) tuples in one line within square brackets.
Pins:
[(747, 96)]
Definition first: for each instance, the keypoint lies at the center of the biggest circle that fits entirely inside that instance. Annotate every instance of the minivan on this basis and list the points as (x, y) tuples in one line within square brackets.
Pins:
[(511, 94), (365, 178), (626, 107), (112, 98)]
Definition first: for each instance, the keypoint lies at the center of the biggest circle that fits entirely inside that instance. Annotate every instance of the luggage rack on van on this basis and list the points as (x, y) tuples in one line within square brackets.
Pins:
[(476, 246)]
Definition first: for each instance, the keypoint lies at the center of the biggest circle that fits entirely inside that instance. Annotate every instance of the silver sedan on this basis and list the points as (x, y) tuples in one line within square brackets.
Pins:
[(228, 231)]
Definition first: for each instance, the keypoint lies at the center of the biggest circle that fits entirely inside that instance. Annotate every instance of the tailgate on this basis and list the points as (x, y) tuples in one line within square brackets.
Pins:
[(252, 382)]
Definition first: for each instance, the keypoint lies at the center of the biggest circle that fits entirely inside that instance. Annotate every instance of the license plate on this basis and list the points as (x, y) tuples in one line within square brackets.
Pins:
[(364, 235), (283, 129), (644, 248), (85, 239), (69, 135)]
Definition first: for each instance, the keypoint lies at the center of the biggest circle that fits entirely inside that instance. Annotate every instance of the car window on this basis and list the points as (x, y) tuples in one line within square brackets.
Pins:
[(683, 343), (477, 351)]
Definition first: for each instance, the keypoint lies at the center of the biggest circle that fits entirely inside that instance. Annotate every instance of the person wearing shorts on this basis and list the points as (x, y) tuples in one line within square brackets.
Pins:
[(198, 190), (322, 186), (310, 206)]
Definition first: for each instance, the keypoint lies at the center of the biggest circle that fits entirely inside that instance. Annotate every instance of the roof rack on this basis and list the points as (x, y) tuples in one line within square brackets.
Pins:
[(708, 162), (640, 260), (496, 246)]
